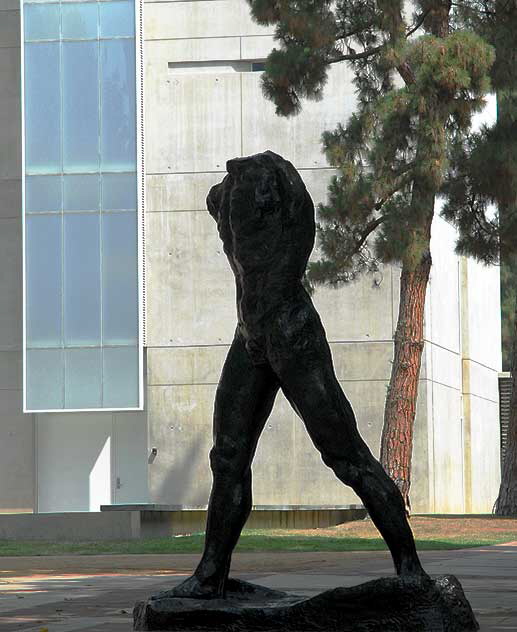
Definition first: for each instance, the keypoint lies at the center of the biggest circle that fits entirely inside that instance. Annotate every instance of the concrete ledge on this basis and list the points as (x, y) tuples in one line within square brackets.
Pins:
[(71, 526), (164, 520), (128, 522)]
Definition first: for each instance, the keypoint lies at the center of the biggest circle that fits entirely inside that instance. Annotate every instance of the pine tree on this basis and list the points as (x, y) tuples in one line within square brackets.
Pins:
[(418, 85), (483, 174)]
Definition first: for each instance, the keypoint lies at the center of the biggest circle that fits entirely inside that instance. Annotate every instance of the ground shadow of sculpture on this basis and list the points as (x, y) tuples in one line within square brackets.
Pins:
[(265, 218)]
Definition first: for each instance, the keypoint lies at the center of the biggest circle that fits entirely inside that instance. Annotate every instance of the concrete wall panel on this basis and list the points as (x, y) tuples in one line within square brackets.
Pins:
[(444, 366), (159, 53), (10, 111), (11, 199), (257, 46), (185, 365), (180, 427), (16, 429), (11, 284), (180, 192), (448, 450), (482, 381), (485, 447), (9, 5), (421, 491), (204, 18), (192, 121), (443, 314), (395, 296), (296, 138), (370, 361), (352, 312), (76, 526), (16, 454), (484, 314), (10, 370), (190, 288), (10, 29), (280, 468), (317, 182)]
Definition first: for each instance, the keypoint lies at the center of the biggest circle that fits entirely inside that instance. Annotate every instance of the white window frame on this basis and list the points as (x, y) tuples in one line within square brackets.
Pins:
[(140, 177)]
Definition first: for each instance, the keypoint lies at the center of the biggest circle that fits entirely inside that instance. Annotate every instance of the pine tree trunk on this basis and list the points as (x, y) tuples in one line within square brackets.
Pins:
[(399, 412), (506, 503), (400, 407)]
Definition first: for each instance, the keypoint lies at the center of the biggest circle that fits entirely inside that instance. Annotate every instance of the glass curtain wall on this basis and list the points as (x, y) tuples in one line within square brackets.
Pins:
[(80, 206)]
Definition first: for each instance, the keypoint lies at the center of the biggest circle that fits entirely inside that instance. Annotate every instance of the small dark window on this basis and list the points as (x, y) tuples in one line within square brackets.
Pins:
[(258, 66)]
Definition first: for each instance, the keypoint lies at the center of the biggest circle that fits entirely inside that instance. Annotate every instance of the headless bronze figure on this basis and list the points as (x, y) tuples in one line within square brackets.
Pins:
[(265, 219)]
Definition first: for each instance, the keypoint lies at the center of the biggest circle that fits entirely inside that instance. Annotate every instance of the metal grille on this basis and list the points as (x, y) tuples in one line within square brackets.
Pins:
[(505, 397)]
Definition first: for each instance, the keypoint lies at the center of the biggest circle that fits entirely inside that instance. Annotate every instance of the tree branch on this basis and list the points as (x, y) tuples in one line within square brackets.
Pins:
[(359, 29), (368, 230), (419, 23), (408, 177), (468, 7), (369, 52)]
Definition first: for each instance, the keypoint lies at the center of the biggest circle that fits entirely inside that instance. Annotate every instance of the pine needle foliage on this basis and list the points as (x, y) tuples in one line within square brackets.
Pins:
[(417, 89), (481, 183)]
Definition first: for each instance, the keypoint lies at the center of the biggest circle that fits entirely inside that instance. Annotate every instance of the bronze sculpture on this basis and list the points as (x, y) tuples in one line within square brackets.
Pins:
[(265, 219)]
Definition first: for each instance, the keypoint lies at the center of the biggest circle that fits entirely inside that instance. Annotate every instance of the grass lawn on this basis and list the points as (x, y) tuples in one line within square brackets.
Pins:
[(431, 533)]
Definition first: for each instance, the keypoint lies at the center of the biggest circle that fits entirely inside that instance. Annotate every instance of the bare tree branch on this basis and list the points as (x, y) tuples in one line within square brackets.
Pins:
[(369, 52), (418, 24)]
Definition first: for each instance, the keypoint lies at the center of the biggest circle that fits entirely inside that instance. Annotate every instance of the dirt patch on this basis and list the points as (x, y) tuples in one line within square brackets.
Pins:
[(483, 528)]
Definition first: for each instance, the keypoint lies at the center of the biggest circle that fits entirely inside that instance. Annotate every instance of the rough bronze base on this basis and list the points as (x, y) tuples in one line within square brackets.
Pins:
[(383, 605)]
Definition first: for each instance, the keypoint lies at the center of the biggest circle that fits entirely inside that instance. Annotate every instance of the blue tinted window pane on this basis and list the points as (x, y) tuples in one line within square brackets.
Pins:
[(117, 19), (118, 86), (41, 21), (119, 191), (45, 379), (83, 378), (120, 370), (42, 193), (119, 279), (81, 193), (79, 20), (42, 108), (82, 280), (81, 106), (43, 280)]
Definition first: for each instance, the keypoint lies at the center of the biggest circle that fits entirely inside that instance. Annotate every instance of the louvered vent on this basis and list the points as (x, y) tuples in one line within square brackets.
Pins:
[(505, 397)]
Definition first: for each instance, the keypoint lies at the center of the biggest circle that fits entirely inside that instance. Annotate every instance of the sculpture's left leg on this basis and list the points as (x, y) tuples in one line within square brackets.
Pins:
[(308, 380), (243, 402)]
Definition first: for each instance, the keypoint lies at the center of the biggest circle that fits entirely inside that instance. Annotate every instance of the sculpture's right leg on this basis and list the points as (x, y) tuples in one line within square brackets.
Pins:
[(243, 402)]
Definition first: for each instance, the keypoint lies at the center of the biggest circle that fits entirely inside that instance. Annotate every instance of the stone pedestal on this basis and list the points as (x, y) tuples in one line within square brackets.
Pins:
[(383, 605)]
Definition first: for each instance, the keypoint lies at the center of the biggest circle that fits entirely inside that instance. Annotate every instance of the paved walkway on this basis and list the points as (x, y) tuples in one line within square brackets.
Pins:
[(97, 593)]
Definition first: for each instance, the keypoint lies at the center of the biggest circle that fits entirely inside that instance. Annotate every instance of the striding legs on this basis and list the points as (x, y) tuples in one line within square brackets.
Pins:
[(301, 364)]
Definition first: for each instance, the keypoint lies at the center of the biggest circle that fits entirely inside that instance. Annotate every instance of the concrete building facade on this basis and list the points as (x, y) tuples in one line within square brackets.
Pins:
[(203, 105)]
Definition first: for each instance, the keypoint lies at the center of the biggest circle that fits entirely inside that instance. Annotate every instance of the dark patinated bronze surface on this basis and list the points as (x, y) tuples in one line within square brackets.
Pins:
[(265, 218), (395, 604)]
